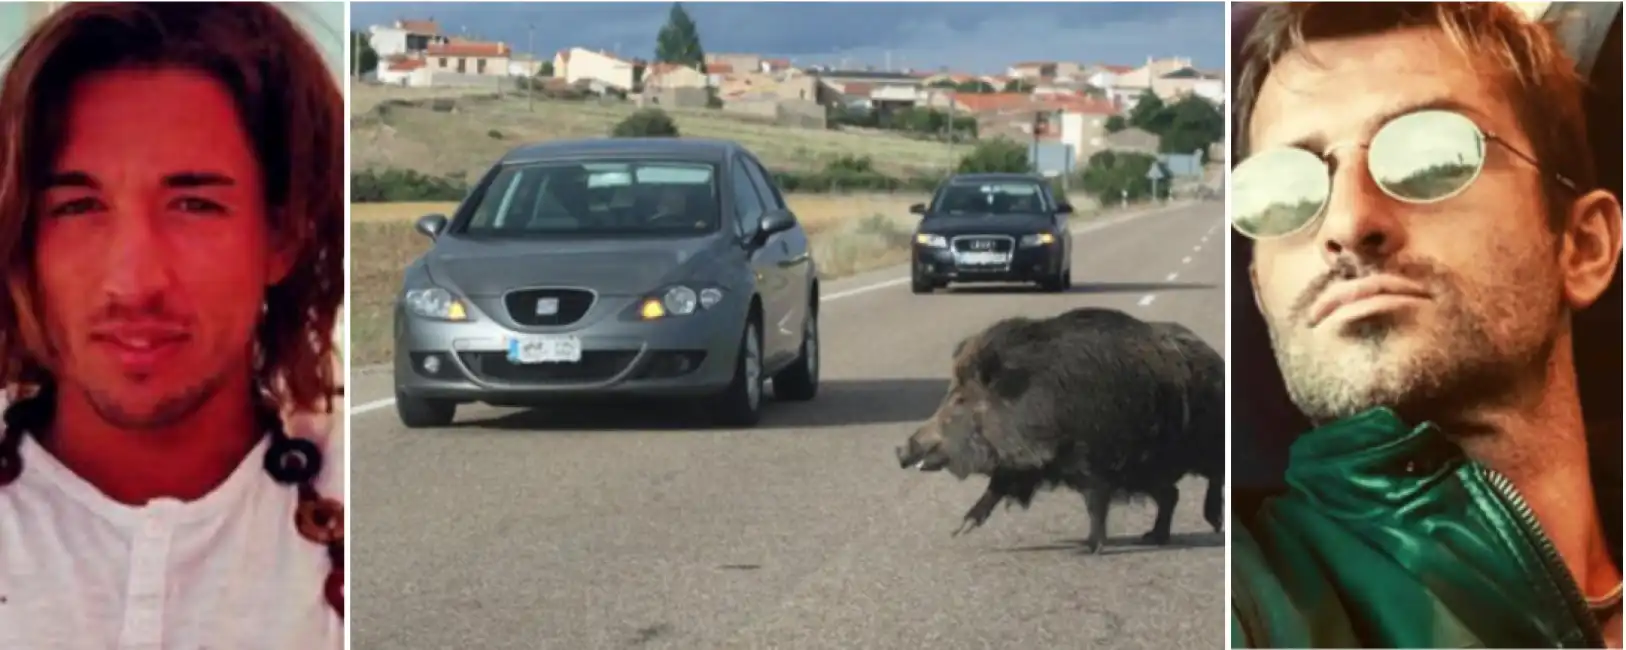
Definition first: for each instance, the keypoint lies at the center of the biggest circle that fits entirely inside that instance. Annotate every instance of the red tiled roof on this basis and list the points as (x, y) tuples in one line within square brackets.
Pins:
[(405, 65), (420, 26), (986, 102), (719, 68), (468, 48)]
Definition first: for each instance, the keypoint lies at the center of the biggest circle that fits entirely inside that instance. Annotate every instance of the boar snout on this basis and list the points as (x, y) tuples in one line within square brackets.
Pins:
[(923, 451)]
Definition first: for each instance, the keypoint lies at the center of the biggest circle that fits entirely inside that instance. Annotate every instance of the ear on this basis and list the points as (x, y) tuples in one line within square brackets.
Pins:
[(1591, 248), (1002, 379), (284, 250)]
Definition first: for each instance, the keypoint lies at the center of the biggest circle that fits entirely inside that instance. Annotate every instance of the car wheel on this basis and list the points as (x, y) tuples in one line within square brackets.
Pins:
[(740, 405), (919, 284), (418, 413), (800, 381)]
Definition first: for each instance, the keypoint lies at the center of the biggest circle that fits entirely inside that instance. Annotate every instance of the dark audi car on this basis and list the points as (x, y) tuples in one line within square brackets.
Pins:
[(993, 228), (653, 267)]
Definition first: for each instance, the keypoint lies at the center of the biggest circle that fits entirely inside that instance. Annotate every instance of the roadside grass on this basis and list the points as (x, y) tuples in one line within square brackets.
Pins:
[(475, 129), (867, 233)]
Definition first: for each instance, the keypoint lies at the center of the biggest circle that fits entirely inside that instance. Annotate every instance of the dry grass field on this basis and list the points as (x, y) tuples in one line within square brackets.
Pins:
[(466, 139)]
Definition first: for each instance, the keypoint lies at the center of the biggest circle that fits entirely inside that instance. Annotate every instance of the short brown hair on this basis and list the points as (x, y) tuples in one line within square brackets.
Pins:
[(293, 110), (1539, 78)]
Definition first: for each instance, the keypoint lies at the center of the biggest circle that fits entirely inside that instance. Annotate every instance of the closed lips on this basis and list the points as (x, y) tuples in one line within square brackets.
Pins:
[(1352, 291), (140, 337)]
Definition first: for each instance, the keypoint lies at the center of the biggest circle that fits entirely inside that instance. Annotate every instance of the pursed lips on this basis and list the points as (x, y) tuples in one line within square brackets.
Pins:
[(1352, 291)]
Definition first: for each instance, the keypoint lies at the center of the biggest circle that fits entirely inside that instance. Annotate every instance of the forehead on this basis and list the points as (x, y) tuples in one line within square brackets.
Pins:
[(161, 114), (1344, 88)]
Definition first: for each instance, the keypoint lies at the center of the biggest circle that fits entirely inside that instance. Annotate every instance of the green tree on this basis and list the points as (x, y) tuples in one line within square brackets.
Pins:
[(679, 41), (646, 123), (1148, 114), (1191, 124), (363, 58), (1110, 176), (1019, 86), (545, 70), (995, 156), (1116, 123)]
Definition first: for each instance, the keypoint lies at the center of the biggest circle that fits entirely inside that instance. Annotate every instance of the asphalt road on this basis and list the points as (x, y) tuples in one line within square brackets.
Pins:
[(530, 529)]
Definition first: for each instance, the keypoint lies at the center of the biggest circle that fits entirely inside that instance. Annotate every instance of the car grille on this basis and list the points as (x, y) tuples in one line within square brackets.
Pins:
[(595, 366), (572, 304), (984, 243), (978, 244)]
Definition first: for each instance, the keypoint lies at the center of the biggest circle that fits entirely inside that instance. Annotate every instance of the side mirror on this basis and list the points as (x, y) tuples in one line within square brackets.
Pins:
[(773, 222), (1064, 208), (431, 225), (918, 208)]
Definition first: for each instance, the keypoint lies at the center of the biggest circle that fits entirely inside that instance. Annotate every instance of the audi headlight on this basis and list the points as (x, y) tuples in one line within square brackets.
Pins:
[(931, 241), (436, 303), (1040, 239)]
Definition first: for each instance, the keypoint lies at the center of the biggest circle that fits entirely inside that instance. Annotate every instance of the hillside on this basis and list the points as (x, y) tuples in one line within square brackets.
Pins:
[(451, 131)]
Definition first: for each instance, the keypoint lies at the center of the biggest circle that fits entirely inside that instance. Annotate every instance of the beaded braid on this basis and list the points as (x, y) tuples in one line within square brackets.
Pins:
[(289, 461)]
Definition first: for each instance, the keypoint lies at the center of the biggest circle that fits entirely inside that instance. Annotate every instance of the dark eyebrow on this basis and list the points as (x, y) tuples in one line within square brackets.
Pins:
[(71, 179), (197, 179), (176, 180), (1317, 143)]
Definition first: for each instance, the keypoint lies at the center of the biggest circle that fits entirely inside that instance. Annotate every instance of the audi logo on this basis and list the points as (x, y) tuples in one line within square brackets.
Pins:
[(982, 245)]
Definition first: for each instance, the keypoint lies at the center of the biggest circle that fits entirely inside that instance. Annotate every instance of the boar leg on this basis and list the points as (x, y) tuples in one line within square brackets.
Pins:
[(979, 513), (1213, 505), (1165, 497), (1097, 499)]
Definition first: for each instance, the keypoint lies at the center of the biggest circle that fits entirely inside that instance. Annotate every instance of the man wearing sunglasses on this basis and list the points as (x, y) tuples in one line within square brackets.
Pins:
[(1417, 183)]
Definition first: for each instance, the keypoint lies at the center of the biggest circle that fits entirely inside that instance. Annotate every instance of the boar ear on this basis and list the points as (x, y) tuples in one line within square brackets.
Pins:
[(1001, 377)]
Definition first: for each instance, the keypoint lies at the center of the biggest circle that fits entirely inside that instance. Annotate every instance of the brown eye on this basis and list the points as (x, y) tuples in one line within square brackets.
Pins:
[(195, 204), (75, 207)]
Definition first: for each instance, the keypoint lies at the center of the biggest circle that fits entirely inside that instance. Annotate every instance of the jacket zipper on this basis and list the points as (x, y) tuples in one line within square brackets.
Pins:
[(1549, 555)]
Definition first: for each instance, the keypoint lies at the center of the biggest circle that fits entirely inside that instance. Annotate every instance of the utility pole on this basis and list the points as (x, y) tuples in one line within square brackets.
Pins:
[(355, 57), (530, 76)]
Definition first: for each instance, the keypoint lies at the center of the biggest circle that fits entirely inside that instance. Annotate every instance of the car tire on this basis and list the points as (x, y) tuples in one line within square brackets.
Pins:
[(740, 405), (418, 413), (800, 381), (919, 284), (1058, 282)]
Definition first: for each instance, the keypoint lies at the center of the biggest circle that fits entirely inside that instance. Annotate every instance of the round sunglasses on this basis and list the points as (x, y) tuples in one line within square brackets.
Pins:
[(1421, 157)]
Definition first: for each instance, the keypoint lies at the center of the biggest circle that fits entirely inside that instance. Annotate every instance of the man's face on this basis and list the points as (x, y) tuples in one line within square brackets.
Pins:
[(153, 251), (1484, 259)]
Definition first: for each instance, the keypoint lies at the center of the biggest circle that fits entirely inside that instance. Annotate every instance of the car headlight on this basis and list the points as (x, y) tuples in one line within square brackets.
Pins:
[(1040, 239), (679, 300), (931, 241), (436, 303)]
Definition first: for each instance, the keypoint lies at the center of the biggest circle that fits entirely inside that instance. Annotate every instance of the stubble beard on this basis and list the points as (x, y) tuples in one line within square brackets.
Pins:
[(1468, 353), (165, 412)]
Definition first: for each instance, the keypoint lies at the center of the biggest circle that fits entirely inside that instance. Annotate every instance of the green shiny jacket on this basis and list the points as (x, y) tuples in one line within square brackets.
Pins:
[(1389, 537)]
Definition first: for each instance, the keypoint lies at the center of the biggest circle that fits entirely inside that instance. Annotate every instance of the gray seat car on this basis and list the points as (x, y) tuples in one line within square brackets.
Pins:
[(649, 267)]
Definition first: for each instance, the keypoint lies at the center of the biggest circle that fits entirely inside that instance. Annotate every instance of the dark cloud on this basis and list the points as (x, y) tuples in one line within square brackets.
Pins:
[(983, 37)]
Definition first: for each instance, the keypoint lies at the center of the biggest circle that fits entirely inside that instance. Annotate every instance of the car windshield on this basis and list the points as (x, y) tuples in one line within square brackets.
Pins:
[(991, 198), (620, 198)]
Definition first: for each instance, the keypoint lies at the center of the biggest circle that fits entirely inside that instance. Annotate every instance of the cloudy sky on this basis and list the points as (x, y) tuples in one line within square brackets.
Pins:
[(970, 37)]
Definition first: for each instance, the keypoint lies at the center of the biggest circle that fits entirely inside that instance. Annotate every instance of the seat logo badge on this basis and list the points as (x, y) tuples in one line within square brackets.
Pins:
[(547, 306)]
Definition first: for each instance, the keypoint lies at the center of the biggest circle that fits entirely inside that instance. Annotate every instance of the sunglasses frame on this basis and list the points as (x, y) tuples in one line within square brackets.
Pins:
[(1480, 133)]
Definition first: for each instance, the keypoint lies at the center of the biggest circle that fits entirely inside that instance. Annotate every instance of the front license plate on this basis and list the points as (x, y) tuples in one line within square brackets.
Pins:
[(982, 259), (544, 349)]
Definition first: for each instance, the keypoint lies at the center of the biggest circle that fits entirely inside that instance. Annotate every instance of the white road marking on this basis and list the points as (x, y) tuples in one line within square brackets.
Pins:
[(1147, 299), (1171, 277), (858, 291), (1185, 260), (1197, 249)]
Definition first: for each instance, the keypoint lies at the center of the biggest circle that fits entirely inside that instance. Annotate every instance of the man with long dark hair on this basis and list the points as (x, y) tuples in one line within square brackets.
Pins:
[(171, 226)]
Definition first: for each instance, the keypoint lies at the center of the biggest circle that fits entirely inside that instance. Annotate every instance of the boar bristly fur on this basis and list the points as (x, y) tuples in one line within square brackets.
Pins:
[(1094, 400)]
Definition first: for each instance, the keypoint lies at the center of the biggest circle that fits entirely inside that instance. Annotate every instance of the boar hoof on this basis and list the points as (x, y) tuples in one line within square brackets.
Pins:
[(970, 524), (1155, 537), (1094, 546)]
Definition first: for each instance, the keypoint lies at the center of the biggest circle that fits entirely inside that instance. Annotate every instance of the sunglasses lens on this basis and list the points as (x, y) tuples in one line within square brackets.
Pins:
[(1426, 156), (1277, 191)]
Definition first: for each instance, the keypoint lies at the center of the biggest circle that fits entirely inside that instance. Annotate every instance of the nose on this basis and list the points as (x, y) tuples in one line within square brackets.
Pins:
[(137, 268), (1362, 223), (905, 455)]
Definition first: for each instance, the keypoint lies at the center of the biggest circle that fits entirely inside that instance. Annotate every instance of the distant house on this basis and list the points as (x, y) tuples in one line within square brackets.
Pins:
[(468, 57), (597, 69), (406, 37)]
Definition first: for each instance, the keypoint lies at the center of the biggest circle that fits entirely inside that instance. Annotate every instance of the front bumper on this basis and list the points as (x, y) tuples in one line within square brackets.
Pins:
[(684, 356), (1026, 264)]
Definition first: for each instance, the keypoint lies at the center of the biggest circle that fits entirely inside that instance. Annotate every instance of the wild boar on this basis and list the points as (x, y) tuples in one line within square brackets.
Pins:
[(1094, 400)]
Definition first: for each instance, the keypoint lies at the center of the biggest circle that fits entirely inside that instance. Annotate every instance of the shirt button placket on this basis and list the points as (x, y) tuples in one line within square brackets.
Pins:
[(149, 569)]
